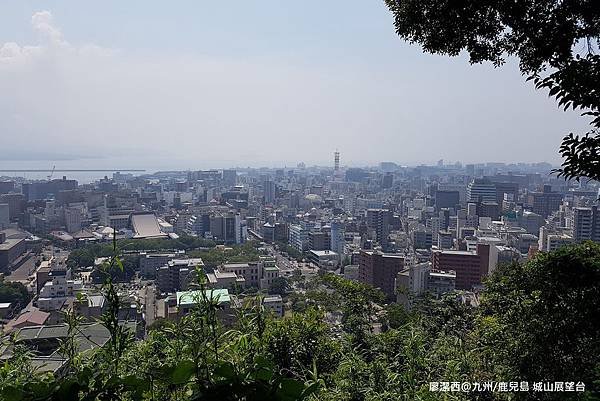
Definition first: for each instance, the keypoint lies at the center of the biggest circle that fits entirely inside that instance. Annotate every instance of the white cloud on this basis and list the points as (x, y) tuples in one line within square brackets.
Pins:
[(42, 22)]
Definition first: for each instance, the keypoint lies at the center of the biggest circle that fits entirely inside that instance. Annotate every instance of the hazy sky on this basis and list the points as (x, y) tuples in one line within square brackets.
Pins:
[(197, 84)]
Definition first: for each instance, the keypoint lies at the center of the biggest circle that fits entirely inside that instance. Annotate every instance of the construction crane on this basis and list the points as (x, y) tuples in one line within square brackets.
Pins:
[(51, 173)]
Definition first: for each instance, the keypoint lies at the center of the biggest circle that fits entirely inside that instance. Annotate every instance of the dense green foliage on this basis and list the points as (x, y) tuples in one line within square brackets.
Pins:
[(555, 41), (247, 252), (14, 292), (543, 317), (84, 257), (538, 321), (279, 285), (130, 264), (211, 255), (290, 250)]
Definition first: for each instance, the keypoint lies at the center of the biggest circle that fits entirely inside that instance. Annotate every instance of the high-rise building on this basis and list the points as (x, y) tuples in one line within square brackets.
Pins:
[(445, 240), (446, 199), (489, 209), (319, 241), (7, 186), (586, 224), (387, 181), (4, 216), (269, 191), (411, 281), (546, 202), (504, 188), (422, 239), (481, 189), (16, 204), (379, 270), (177, 274), (434, 225), (298, 237), (472, 209), (229, 178), (379, 220), (470, 266), (530, 221), (337, 238), (73, 219)]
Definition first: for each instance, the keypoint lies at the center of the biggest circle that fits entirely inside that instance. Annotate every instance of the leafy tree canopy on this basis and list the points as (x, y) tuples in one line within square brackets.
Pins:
[(14, 292), (543, 317)]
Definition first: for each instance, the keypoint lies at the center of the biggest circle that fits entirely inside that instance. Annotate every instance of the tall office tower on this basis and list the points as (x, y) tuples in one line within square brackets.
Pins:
[(444, 215), (269, 191), (481, 189), (7, 186), (337, 238), (16, 204), (379, 270), (586, 224), (229, 178), (336, 161), (387, 181), (546, 202), (445, 240), (471, 209), (461, 221), (434, 224), (379, 220), (446, 199), (506, 188), (470, 169), (4, 216)]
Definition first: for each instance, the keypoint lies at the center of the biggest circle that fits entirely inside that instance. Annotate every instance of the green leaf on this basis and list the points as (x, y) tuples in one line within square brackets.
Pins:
[(183, 371), (69, 390), (119, 263), (41, 389), (225, 370), (136, 383), (11, 393), (290, 389), (262, 362), (310, 390), (263, 374)]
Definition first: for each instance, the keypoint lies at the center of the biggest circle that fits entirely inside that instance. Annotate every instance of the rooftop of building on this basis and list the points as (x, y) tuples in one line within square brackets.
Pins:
[(224, 275), (146, 226), (192, 297), (441, 273), (323, 253), (30, 318), (236, 265), (386, 255), (10, 243), (192, 262), (272, 298), (455, 252), (15, 233)]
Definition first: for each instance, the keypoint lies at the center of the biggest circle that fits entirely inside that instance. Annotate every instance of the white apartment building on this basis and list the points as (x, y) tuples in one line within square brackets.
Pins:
[(54, 293)]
